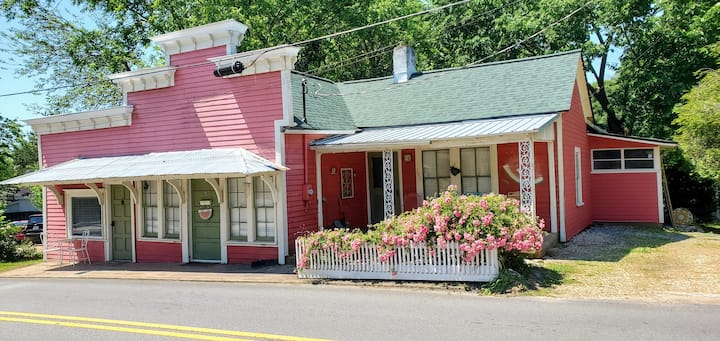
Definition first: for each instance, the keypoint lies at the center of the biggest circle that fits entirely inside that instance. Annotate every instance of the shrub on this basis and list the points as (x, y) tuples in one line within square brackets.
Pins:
[(12, 249), (477, 223)]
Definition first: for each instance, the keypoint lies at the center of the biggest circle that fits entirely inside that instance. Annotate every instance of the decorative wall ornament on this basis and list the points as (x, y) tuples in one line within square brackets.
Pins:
[(526, 154), (388, 184)]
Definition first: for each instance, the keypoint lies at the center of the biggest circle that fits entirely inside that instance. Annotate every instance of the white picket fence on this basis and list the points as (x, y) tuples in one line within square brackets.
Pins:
[(414, 262)]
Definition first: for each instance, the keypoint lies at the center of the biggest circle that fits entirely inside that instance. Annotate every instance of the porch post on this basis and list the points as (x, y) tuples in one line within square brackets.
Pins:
[(388, 184), (526, 153)]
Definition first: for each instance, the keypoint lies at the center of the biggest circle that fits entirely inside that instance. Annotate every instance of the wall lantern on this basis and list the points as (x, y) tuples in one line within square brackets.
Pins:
[(233, 69), (454, 171)]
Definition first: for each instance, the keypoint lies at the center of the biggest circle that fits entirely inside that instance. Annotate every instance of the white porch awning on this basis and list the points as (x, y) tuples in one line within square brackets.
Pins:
[(426, 134), (170, 165)]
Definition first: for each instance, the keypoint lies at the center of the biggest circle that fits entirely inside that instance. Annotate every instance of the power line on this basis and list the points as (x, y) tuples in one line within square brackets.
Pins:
[(263, 51), (508, 48)]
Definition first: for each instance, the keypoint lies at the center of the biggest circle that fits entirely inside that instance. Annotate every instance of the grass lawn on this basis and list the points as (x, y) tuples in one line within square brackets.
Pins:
[(628, 262), (7, 266)]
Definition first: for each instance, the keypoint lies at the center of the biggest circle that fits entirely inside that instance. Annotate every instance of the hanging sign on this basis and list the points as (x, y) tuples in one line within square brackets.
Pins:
[(206, 212)]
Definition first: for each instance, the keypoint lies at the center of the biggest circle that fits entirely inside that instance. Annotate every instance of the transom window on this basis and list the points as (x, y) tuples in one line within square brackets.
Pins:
[(475, 170), (436, 171), (252, 210), (623, 159), (160, 210)]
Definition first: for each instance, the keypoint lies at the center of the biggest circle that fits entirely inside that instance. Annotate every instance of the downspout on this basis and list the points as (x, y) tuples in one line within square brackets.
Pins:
[(304, 93)]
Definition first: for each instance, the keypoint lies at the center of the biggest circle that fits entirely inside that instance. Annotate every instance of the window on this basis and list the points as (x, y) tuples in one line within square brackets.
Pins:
[(475, 168), (150, 209), (171, 203), (578, 177), (264, 211), (84, 213), (347, 186), (252, 210), (436, 171), (623, 159), (237, 201), (160, 210)]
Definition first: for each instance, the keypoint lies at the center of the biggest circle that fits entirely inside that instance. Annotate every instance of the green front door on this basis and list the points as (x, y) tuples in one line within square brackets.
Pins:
[(205, 230), (121, 223)]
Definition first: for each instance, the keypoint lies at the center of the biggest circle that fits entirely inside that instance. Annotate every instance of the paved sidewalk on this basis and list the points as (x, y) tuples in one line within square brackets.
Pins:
[(169, 272)]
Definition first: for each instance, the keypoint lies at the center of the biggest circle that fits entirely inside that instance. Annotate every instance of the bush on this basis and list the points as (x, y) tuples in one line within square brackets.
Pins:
[(12, 249), (477, 223)]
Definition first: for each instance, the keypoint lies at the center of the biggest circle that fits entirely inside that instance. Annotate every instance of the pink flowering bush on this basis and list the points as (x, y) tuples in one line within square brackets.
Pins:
[(477, 223)]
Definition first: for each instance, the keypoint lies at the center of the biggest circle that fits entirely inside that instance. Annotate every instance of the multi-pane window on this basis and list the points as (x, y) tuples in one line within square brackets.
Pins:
[(264, 211), (237, 202), (85, 215), (347, 183), (171, 204), (150, 209), (251, 209), (436, 171), (475, 170), (623, 159)]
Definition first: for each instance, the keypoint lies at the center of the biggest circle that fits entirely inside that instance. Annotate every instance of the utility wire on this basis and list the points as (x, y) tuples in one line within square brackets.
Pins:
[(262, 52)]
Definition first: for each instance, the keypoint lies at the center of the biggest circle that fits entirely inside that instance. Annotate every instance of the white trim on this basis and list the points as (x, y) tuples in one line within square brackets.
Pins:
[(553, 187), (107, 224), (319, 132), (227, 32), (224, 220), (144, 79), (318, 183), (630, 139), (419, 185), (494, 172), (368, 174), (282, 230), (185, 221), (399, 163), (279, 58), (82, 193), (87, 120), (578, 177), (658, 176), (561, 178)]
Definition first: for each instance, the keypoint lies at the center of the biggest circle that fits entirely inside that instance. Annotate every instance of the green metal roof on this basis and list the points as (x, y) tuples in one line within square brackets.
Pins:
[(510, 88)]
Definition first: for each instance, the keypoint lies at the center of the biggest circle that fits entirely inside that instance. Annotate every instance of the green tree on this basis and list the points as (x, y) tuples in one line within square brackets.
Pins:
[(699, 123)]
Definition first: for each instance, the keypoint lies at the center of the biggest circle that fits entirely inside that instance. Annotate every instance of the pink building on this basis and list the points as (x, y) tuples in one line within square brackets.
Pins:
[(227, 157)]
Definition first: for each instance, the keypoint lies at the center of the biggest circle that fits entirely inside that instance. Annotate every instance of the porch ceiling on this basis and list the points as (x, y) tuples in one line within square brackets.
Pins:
[(426, 134), (172, 165)]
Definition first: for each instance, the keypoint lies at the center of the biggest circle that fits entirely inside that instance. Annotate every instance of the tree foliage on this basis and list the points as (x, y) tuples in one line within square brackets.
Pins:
[(699, 124), (18, 153)]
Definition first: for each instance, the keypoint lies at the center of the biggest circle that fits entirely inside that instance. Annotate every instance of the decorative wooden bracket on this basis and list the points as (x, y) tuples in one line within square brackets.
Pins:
[(177, 185), (133, 190), (99, 192), (215, 184), (59, 194), (268, 179)]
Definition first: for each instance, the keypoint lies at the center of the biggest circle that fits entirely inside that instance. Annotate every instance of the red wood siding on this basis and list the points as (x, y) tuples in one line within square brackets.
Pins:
[(158, 252), (602, 142), (411, 199), (625, 197), (508, 155), (575, 135), (353, 210), (302, 214), (240, 254), (200, 111)]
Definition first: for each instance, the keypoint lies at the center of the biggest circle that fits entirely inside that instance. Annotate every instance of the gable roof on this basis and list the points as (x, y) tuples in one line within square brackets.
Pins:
[(528, 86)]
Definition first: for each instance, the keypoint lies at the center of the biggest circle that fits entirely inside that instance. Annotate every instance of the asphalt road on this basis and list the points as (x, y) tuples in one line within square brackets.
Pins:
[(159, 310)]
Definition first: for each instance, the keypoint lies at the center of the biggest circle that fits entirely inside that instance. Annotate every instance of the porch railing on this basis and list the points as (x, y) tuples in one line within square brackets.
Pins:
[(415, 262)]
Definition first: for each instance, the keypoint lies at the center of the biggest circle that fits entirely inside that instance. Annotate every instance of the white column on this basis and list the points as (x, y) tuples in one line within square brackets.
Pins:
[(388, 184), (526, 154)]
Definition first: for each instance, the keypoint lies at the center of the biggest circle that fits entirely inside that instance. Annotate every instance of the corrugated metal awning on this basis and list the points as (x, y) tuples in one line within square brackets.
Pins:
[(169, 165), (425, 134)]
